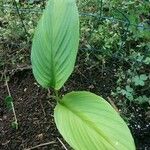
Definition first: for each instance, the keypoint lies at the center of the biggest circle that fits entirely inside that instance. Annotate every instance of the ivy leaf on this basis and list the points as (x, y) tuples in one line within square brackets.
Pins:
[(88, 122)]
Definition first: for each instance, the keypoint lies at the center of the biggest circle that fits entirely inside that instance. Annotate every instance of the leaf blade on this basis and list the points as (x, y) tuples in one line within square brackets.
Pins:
[(81, 119), (55, 43)]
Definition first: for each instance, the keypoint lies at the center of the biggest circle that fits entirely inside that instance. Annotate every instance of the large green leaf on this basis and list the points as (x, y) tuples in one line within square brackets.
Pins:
[(88, 122), (55, 43)]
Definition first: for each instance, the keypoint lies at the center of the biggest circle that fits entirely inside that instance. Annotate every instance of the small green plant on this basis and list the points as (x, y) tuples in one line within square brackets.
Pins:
[(85, 120), (10, 105), (133, 81)]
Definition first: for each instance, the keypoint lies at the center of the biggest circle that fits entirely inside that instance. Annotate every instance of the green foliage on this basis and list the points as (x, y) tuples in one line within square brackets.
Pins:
[(9, 102), (120, 28), (136, 76), (127, 92), (143, 99), (10, 106), (87, 121), (132, 85), (14, 124), (55, 44), (134, 65), (139, 80)]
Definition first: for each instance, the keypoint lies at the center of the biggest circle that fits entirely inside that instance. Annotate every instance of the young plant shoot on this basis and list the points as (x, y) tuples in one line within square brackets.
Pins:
[(85, 120)]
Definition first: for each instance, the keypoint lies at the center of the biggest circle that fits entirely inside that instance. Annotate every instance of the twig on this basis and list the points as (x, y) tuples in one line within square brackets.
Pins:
[(62, 144), (49, 92), (6, 143), (49, 103), (81, 74), (13, 71), (6, 83), (40, 145), (113, 104), (42, 108), (1, 98)]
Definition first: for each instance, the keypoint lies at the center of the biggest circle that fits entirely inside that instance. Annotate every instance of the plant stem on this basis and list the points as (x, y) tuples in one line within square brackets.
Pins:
[(57, 95), (20, 16), (101, 9), (15, 117)]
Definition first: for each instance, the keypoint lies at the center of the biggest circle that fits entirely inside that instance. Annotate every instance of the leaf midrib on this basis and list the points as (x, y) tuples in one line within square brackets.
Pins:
[(90, 124)]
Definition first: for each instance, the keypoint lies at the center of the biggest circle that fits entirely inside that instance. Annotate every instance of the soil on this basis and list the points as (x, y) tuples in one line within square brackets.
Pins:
[(34, 113), (34, 110)]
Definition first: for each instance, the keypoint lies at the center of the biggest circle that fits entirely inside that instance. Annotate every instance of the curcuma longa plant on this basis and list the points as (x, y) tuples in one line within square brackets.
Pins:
[(85, 120)]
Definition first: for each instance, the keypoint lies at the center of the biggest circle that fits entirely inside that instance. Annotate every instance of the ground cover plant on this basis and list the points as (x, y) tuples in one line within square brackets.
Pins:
[(113, 61)]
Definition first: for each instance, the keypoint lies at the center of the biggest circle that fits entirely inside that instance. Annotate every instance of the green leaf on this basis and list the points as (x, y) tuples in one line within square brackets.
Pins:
[(14, 125), (139, 80), (143, 77), (55, 43), (123, 92), (88, 122), (147, 60), (8, 102), (129, 96), (142, 99), (129, 89)]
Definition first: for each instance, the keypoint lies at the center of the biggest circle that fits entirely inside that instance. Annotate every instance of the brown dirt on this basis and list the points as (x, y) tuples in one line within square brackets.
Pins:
[(34, 113)]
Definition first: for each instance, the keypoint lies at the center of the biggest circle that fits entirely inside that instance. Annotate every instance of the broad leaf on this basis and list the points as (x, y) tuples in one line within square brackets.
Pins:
[(88, 122), (55, 43)]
